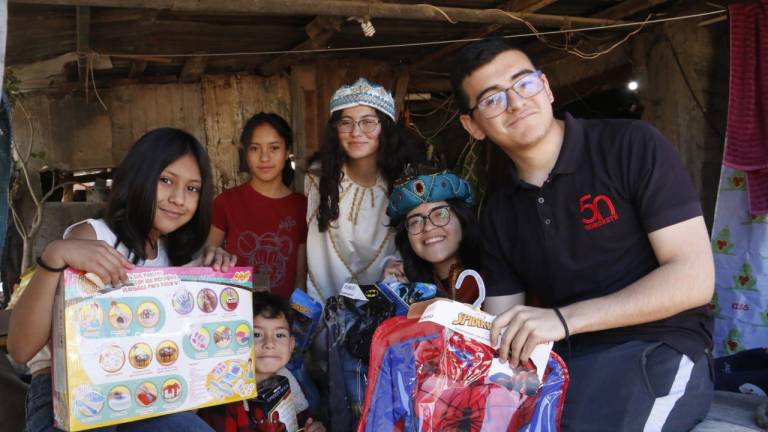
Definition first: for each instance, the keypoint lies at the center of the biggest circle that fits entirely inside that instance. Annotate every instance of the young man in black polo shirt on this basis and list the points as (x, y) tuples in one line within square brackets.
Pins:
[(600, 227)]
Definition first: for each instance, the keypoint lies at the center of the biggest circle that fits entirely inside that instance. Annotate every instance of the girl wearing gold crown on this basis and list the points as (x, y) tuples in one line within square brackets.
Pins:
[(348, 185)]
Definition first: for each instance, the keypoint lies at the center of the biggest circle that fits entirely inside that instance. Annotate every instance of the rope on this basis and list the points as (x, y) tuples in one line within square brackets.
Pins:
[(439, 10), (89, 72)]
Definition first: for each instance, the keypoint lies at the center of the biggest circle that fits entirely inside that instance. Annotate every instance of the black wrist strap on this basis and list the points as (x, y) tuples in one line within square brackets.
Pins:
[(567, 331), (43, 265)]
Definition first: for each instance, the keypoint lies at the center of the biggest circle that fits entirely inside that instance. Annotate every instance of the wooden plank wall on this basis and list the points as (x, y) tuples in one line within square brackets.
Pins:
[(228, 102), (669, 105), (136, 109), (75, 134)]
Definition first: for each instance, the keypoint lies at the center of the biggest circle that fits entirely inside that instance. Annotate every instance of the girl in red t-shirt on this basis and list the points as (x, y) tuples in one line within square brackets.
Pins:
[(262, 221)]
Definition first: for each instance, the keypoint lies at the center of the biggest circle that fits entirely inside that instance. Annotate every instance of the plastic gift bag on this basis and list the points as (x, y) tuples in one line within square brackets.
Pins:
[(441, 374), (351, 319)]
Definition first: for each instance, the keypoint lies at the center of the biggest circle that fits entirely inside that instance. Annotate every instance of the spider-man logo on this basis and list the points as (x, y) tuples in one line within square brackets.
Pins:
[(458, 409)]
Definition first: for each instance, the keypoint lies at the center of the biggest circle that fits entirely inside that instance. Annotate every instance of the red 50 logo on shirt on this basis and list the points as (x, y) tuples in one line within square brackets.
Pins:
[(596, 211)]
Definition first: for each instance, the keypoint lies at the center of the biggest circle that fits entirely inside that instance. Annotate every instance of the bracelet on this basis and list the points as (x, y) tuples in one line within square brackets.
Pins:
[(562, 320), (45, 266), (567, 332)]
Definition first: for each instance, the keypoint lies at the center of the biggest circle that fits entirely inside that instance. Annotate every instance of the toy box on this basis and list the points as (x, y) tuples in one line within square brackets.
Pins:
[(171, 339)]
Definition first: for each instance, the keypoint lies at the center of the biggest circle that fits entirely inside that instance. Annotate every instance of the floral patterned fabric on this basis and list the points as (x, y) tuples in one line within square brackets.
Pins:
[(740, 247)]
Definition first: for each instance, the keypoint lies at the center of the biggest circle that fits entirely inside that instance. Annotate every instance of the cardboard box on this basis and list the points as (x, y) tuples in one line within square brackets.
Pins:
[(172, 339)]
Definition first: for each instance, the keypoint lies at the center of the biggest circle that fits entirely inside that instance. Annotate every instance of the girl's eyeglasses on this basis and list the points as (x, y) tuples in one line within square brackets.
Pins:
[(366, 125), (438, 216)]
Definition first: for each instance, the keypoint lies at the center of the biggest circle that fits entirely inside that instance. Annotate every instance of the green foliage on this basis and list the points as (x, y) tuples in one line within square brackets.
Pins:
[(11, 86)]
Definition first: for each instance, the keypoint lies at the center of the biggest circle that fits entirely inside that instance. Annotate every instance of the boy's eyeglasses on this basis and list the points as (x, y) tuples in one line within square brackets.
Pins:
[(438, 216), (348, 125), (496, 103)]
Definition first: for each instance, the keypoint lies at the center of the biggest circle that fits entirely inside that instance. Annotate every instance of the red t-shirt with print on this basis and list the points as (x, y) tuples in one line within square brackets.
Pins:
[(263, 232)]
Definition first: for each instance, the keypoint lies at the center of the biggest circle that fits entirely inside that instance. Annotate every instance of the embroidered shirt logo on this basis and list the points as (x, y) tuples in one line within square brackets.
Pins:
[(596, 211)]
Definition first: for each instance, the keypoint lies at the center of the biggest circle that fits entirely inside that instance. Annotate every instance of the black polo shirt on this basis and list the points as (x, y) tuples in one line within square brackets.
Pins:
[(584, 233)]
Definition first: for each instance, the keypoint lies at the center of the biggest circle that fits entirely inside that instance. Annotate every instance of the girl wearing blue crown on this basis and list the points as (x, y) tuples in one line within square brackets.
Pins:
[(348, 185), (436, 231)]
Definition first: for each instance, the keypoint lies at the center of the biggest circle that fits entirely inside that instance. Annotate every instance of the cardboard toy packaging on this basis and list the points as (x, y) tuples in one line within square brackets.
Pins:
[(171, 339), (273, 409)]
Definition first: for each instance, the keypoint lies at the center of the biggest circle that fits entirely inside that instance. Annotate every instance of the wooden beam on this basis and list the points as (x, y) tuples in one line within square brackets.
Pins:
[(513, 6), (193, 69), (628, 8), (338, 8), (571, 69), (83, 44), (320, 31), (546, 56), (153, 59)]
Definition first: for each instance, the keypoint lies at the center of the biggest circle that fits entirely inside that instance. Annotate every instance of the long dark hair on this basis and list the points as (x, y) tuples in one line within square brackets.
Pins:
[(130, 211), (281, 127), (396, 149), (470, 247)]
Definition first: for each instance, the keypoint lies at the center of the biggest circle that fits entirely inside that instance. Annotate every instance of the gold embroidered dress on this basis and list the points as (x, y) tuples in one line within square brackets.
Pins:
[(356, 246)]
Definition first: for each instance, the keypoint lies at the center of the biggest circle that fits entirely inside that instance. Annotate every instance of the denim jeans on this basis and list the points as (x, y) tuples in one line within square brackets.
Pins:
[(40, 414), (347, 374)]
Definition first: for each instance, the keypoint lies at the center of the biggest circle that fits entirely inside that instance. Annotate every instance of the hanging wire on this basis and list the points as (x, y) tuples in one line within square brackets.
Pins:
[(427, 43)]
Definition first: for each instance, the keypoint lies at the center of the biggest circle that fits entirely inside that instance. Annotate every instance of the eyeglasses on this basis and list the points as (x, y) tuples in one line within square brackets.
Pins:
[(494, 104), (366, 125), (438, 216)]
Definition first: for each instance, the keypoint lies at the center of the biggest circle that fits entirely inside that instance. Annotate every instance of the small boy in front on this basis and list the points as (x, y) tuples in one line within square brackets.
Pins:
[(273, 346)]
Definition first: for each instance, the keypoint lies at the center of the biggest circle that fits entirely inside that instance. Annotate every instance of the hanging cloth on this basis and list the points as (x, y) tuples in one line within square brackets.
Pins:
[(746, 145)]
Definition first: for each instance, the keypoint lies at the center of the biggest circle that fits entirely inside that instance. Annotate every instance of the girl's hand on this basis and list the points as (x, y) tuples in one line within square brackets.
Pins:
[(215, 257), (93, 256), (394, 270)]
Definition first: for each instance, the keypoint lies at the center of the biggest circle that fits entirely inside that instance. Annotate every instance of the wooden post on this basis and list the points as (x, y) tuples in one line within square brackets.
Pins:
[(83, 40), (401, 88), (303, 120), (193, 69)]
